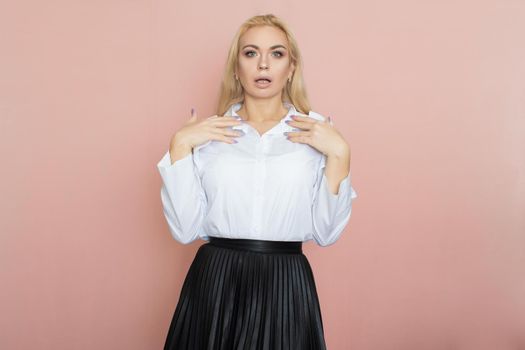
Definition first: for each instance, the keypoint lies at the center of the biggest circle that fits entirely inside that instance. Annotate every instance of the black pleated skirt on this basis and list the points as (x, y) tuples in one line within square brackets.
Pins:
[(248, 294)]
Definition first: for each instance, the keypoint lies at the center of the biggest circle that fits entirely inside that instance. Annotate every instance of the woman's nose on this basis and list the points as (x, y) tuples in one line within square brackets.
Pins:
[(263, 65)]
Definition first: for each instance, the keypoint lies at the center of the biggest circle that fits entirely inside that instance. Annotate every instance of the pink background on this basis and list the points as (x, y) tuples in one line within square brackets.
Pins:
[(429, 94)]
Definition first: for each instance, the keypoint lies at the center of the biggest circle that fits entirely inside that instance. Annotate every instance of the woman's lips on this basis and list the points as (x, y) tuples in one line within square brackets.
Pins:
[(262, 83)]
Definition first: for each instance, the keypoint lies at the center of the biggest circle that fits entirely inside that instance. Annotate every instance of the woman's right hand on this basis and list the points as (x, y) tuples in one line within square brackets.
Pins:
[(196, 132)]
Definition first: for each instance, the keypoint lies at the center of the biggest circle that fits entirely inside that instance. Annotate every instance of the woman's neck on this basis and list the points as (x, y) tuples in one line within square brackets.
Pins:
[(262, 110)]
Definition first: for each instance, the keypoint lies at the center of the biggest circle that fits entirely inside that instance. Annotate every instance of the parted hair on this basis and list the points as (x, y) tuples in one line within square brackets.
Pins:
[(231, 90)]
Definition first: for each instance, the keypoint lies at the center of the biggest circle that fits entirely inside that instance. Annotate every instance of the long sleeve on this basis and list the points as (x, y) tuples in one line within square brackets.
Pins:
[(183, 199), (331, 212)]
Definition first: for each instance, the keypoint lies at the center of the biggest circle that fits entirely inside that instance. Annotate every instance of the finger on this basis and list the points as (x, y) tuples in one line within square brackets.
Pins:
[(223, 138), (228, 117), (300, 139), (193, 114), (298, 125), (222, 117), (235, 133), (301, 118), (289, 134), (219, 122), (228, 132)]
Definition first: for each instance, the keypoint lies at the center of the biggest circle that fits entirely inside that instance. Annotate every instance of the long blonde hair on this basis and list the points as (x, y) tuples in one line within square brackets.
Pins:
[(231, 90)]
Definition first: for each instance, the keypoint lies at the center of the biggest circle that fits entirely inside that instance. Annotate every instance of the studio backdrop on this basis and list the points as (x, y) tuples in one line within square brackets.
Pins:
[(430, 96)]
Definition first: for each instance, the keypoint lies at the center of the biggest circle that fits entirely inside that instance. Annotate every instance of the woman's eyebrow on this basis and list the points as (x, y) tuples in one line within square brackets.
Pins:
[(257, 47)]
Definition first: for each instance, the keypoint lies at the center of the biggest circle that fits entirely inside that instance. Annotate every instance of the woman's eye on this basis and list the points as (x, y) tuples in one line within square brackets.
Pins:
[(248, 53)]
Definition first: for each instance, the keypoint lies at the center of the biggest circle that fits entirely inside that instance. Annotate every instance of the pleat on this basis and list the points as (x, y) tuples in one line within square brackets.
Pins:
[(235, 299)]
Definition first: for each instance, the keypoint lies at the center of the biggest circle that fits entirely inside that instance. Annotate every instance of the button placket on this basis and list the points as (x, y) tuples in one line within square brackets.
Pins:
[(260, 174)]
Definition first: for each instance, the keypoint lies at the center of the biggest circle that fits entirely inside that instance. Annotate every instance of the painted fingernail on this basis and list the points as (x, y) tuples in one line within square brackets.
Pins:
[(192, 111), (235, 141), (287, 121), (286, 133)]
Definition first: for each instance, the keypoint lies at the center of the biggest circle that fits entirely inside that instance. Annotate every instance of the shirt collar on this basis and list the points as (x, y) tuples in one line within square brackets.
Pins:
[(279, 128)]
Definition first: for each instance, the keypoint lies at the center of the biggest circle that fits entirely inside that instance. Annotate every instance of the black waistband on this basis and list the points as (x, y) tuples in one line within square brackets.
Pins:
[(257, 245)]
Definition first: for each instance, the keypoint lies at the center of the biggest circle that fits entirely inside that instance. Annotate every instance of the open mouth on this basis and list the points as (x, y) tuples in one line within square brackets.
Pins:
[(263, 81)]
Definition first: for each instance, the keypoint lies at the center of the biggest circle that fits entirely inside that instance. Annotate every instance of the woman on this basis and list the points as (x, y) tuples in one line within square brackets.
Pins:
[(255, 181)]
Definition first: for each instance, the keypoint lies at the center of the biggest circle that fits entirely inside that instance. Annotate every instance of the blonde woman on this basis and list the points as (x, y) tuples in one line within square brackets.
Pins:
[(255, 181)]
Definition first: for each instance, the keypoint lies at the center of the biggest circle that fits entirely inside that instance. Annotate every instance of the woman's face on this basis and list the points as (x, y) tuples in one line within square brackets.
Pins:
[(263, 52)]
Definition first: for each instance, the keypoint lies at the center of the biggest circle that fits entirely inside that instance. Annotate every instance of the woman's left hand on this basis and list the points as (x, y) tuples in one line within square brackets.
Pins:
[(318, 134)]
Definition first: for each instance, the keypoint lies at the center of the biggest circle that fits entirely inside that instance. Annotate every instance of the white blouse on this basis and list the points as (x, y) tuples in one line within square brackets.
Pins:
[(263, 187)]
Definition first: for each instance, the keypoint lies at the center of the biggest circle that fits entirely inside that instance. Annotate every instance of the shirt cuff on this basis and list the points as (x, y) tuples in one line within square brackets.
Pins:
[(345, 193), (165, 162)]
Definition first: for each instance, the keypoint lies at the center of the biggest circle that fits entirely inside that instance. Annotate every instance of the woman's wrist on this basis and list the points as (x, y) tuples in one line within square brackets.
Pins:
[(179, 149)]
